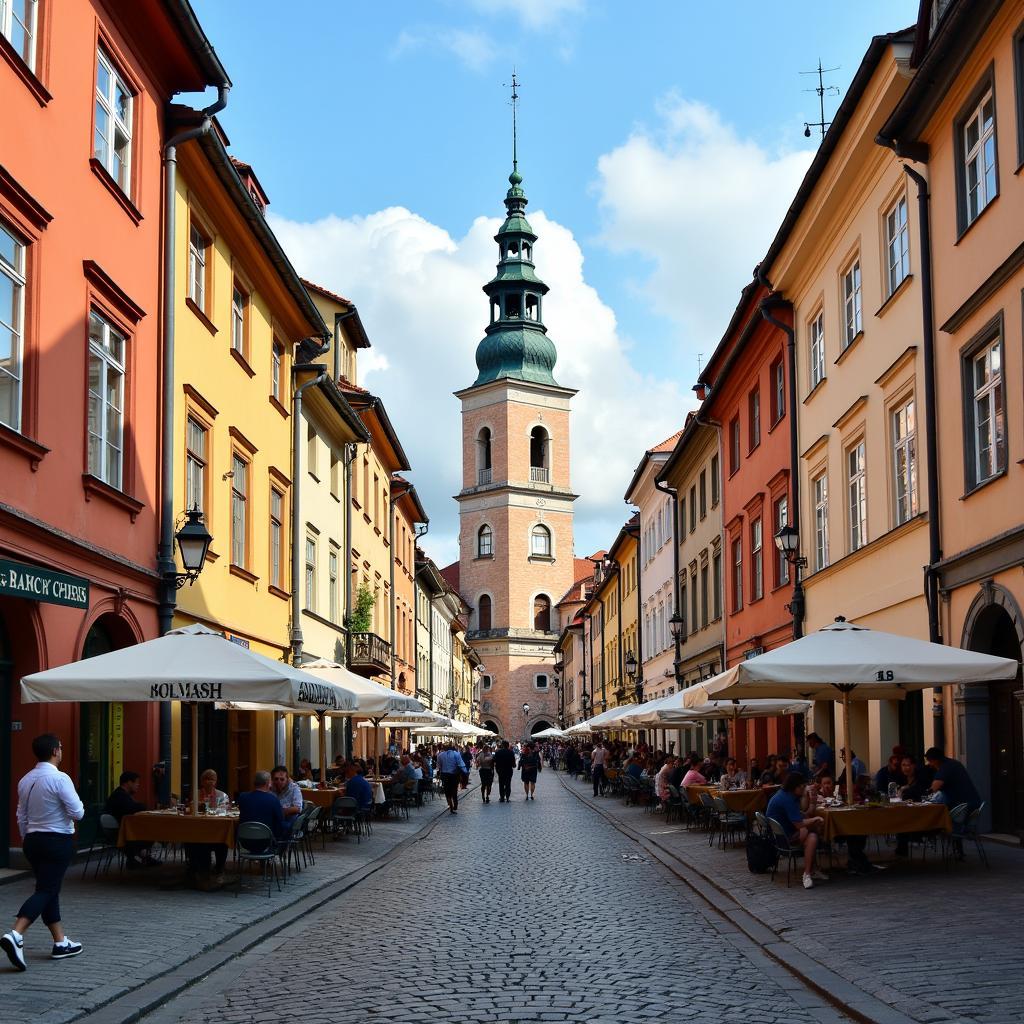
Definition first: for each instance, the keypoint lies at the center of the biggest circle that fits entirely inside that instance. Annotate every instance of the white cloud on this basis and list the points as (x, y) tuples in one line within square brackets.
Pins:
[(418, 292), (702, 204), (473, 48), (534, 14)]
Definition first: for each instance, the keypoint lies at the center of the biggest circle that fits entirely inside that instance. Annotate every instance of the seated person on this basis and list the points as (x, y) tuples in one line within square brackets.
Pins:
[(122, 802), (801, 831), (261, 805), (404, 774), (734, 778), (209, 793), (634, 769), (693, 776), (198, 854), (289, 794), (661, 782), (951, 781), (678, 772), (358, 788), (305, 772), (889, 773), (770, 775), (712, 768), (817, 796), (917, 785)]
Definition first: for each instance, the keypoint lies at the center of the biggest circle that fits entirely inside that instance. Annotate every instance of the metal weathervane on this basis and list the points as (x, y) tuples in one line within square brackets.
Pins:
[(514, 86), (822, 90)]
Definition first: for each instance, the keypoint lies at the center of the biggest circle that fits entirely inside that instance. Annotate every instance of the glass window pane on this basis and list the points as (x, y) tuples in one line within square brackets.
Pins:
[(102, 79), (122, 102), (9, 249), (10, 301)]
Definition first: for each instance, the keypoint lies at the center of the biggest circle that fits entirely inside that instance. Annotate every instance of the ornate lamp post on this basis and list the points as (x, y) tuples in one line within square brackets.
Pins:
[(193, 541), (787, 540), (638, 684)]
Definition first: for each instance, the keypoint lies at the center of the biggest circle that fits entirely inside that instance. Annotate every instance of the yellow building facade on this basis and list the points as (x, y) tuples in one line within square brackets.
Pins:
[(240, 311)]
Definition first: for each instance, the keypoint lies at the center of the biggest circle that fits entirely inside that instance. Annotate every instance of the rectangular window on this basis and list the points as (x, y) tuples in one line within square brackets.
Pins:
[(198, 247), (239, 511), (311, 451), (106, 400), (714, 481), (694, 602), (734, 444), (857, 495), (682, 517), (693, 508), (195, 465), (819, 492), (703, 493), (541, 682), (716, 583), (754, 418), (276, 359), (12, 331), (335, 476), (376, 499), (897, 244), (977, 145), (239, 318), (704, 595), (778, 402), (311, 574), (781, 519), (276, 535), (853, 321), (18, 26), (986, 411), (817, 349), (737, 574), (756, 561), (112, 145), (904, 462), (332, 577)]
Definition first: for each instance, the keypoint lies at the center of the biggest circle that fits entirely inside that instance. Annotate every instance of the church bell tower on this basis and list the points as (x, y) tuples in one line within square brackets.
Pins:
[(516, 504)]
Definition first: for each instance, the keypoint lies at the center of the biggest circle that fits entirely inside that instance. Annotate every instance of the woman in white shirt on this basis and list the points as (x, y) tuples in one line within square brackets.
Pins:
[(48, 808)]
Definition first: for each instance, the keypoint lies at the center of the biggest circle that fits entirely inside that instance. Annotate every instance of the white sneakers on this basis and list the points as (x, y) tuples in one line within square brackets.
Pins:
[(815, 876), (65, 949), (14, 946), (808, 882)]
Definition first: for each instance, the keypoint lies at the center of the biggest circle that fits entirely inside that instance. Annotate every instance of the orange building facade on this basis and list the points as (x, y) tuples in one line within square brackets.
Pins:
[(80, 285)]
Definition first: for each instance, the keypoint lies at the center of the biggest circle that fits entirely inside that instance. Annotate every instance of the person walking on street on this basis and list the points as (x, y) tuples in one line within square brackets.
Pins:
[(529, 765), (597, 760), (485, 766), (504, 765), (451, 768), (48, 808)]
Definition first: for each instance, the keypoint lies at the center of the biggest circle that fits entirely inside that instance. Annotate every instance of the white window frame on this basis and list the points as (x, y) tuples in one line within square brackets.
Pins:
[(897, 244), (757, 559), (332, 577), (112, 371), (198, 244), (537, 531), (903, 426), (537, 682), (988, 397), (239, 510), (276, 361), (857, 494), (486, 682), (276, 535), (309, 562), (736, 545), (819, 495), (976, 158), (29, 27), (780, 513), (196, 463), (816, 348), (239, 312), (105, 103), (853, 312), (485, 531), (13, 375)]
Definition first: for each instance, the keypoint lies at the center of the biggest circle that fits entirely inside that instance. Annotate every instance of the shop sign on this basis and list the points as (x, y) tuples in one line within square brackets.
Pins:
[(240, 640), (35, 584)]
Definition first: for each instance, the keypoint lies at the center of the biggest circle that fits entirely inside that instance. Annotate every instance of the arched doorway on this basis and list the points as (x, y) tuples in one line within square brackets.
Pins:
[(539, 727), (491, 724), (993, 631)]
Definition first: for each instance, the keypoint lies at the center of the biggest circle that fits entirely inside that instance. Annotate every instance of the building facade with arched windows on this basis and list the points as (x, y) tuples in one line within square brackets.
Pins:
[(516, 504)]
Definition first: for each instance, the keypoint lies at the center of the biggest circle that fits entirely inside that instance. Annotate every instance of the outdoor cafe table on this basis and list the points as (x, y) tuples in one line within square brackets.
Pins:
[(885, 819), (171, 827), (326, 797), (741, 800)]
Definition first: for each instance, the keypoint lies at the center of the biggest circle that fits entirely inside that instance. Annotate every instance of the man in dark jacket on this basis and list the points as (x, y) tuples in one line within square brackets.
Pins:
[(259, 804), (122, 802), (504, 766)]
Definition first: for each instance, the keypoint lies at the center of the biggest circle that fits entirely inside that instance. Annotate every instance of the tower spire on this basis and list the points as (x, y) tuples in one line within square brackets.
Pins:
[(515, 106)]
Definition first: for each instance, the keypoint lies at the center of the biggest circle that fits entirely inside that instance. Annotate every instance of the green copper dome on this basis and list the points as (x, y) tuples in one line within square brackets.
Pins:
[(516, 346)]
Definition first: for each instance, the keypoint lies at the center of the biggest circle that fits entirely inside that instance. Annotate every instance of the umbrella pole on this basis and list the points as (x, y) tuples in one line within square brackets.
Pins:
[(322, 735), (195, 758), (849, 746)]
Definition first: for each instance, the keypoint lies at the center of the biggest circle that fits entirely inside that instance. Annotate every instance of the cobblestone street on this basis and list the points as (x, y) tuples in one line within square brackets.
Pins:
[(536, 911)]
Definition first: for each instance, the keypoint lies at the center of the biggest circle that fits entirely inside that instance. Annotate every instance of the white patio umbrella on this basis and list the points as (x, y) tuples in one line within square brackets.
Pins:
[(672, 711), (193, 664), (849, 662), (579, 729), (551, 733)]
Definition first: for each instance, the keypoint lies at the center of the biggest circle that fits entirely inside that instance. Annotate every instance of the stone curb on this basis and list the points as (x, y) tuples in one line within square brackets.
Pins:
[(851, 1000), (152, 993)]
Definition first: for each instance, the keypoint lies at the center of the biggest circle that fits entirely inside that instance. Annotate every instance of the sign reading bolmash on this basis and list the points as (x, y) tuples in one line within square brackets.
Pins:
[(35, 584)]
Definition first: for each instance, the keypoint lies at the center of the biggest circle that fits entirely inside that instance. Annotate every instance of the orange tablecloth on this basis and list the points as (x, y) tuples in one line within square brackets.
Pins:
[(161, 827), (322, 797), (746, 800), (885, 819)]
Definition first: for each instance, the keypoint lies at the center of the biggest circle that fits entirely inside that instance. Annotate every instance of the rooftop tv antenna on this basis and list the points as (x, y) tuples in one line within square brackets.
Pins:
[(822, 90)]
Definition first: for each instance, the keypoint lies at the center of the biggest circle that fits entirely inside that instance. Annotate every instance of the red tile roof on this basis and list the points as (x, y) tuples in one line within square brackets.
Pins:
[(450, 574), (326, 291), (582, 569), (668, 444)]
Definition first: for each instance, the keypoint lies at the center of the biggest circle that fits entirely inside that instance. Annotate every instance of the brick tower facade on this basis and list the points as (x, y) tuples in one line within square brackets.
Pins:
[(516, 504)]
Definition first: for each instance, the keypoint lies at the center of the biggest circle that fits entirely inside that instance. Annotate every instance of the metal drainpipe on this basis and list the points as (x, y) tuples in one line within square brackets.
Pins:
[(604, 667), (349, 455), (798, 604), (622, 657), (297, 535), (165, 565), (392, 504), (677, 640), (639, 616)]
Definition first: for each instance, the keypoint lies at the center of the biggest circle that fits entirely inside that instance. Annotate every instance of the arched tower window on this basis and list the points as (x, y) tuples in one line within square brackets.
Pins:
[(483, 456), (527, 251), (542, 613), (539, 472), (483, 612), (513, 306), (540, 541), (495, 309), (532, 307), (484, 542)]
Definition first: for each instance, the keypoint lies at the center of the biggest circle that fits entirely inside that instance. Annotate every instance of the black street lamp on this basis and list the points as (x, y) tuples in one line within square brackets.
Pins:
[(637, 681), (194, 542), (787, 540)]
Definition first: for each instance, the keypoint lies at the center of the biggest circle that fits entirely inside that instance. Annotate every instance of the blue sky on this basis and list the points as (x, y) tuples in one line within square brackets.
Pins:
[(661, 141)]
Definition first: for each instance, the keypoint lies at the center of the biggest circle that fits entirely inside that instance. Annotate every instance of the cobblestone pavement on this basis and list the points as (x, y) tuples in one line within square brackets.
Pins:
[(936, 945), (517, 913), (134, 931)]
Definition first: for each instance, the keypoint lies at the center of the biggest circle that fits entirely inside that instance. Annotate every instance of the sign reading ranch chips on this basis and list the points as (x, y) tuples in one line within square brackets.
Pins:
[(36, 584)]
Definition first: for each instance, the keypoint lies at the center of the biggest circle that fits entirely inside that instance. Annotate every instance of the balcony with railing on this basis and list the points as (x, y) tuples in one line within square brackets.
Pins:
[(368, 654), (483, 476), (539, 475)]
